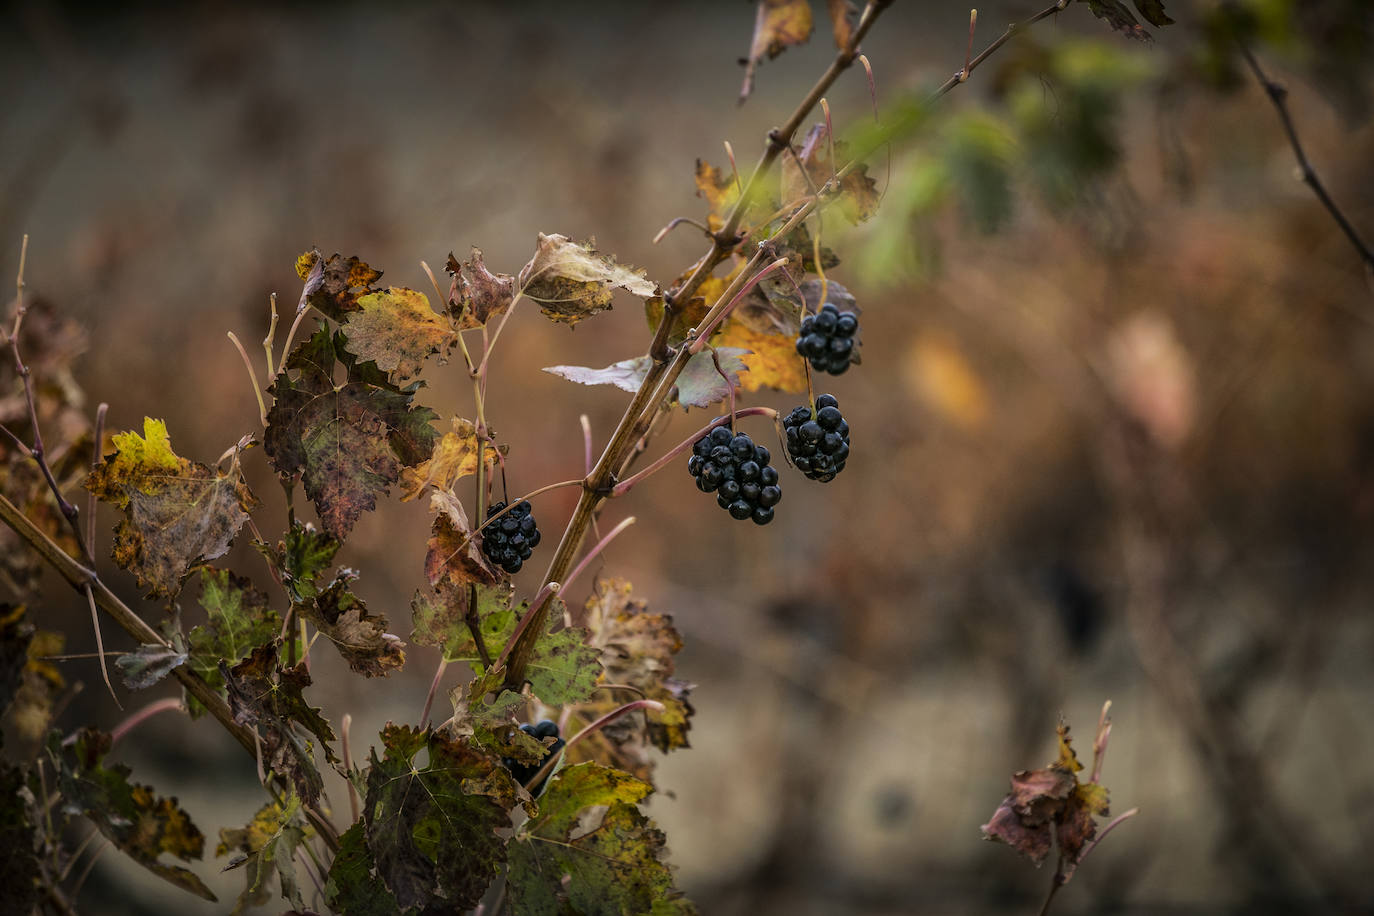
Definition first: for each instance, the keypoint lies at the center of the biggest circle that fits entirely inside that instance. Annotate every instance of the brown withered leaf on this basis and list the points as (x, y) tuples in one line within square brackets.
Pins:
[(360, 636), (454, 555), (858, 195), (454, 458), (570, 281), (177, 513), (333, 284), (477, 295), (844, 15), (1049, 804), (398, 331), (778, 25)]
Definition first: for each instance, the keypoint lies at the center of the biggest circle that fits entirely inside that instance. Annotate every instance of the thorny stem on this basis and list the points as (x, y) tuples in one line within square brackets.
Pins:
[(1278, 94), (625, 485)]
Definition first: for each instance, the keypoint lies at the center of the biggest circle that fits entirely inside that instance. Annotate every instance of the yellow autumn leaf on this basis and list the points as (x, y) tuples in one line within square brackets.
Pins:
[(454, 458), (772, 359)]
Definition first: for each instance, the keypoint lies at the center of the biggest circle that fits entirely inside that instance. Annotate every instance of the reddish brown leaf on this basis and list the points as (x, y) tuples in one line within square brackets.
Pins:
[(477, 295), (333, 284)]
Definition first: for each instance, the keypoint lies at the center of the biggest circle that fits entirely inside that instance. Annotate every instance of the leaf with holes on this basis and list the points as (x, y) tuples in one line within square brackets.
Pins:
[(432, 829), (590, 850), (130, 816), (349, 441), (570, 281), (398, 331), (177, 513)]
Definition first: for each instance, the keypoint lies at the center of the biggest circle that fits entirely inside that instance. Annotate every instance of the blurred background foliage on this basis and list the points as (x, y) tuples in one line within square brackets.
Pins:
[(1113, 432)]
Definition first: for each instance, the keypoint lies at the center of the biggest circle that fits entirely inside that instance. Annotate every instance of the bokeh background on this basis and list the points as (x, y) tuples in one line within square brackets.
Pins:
[(1113, 431)]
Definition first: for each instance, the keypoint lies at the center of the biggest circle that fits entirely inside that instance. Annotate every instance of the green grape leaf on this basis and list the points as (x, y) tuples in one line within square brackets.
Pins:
[(432, 829), (349, 441), (148, 664), (477, 295), (354, 887), (239, 621), (266, 845), (570, 281), (177, 513), (590, 850), (779, 25), (360, 636), (301, 559), (19, 869), (441, 619), (267, 698), (398, 331), (130, 816), (638, 648), (487, 713), (333, 284)]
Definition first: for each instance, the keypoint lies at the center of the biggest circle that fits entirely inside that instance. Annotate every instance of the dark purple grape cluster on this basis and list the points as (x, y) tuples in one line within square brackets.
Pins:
[(737, 471), (827, 339), (509, 541), (524, 772), (817, 443)]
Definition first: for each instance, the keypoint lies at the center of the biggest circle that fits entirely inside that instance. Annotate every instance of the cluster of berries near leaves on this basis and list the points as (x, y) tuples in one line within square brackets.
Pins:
[(509, 541), (738, 471), (817, 443), (524, 772), (827, 339)]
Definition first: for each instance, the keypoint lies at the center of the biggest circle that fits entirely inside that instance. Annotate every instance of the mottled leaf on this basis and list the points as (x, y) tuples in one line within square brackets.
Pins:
[(432, 829), (266, 845), (477, 295), (353, 887), (351, 440), (778, 25), (590, 850), (239, 620), (398, 331), (148, 664), (454, 458), (269, 699), (570, 281), (771, 359), (333, 284), (441, 620), (177, 513), (129, 815), (301, 559), (487, 713)]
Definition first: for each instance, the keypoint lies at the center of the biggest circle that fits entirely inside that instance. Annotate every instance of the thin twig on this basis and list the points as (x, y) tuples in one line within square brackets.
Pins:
[(433, 689), (345, 727), (1278, 94), (252, 376), (166, 704)]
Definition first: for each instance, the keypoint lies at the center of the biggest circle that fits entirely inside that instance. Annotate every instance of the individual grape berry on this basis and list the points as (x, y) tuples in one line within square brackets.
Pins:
[(818, 443), (509, 541), (738, 472), (524, 772), (827, 339)]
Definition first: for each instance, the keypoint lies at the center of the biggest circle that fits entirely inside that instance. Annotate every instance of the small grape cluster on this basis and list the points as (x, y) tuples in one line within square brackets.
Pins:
[(827, 339), (524, 772), (509, 541), (737, 470), (818, 443)]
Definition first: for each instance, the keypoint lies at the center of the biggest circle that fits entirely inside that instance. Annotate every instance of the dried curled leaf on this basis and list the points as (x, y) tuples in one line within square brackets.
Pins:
[(778, 25), (1050, 804), (591, 850), (360, 636), (398, 331), (334, 284), (135, 820), (177, 513), (432, 830), (454, 458), (454, 557), (570, 281), (477, 295), (351, 440)]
